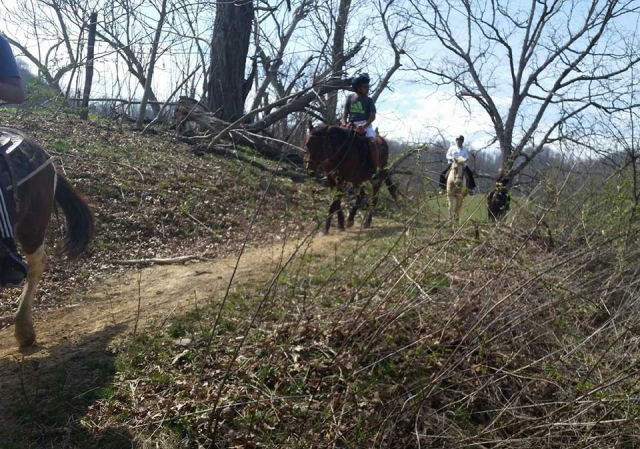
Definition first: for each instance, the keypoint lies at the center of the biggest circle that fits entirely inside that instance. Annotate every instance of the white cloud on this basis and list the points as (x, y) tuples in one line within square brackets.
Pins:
[(418, 115)]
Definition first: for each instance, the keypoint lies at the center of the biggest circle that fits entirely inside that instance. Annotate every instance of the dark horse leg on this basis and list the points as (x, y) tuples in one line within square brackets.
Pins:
[(356, 206), (393, 189), (36, 198), (335, 208), (374, 201), (490, 215)]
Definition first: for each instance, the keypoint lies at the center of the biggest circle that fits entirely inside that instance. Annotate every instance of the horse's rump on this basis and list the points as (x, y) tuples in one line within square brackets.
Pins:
[(24, 160)]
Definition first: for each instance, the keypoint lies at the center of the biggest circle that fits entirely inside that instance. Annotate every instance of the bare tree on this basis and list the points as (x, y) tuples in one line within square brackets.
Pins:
[(84, 113), (561, 60), (395, 29), (337, 56), (162, 16), (273, 58), (137, 32), (55, 49), (227, 88)]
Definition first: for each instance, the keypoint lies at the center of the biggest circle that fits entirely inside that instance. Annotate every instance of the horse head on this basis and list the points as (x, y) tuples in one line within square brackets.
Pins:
[(457, 168), (315, 147)]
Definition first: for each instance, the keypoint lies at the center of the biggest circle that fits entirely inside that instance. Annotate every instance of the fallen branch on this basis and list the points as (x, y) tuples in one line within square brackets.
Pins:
[(159, 261), (235, 154)]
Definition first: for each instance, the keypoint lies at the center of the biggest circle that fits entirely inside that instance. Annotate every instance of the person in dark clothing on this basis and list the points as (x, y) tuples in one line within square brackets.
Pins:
[(360, 110), (458, 150), (501, 179), (499, 198), (13, 269)]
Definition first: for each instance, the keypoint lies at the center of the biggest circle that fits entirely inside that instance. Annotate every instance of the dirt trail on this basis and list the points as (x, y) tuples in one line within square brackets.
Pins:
[(163, 291), (72, 358)]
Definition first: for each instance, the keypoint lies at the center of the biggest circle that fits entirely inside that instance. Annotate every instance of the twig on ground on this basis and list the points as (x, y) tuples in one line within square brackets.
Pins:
[(159, 261)]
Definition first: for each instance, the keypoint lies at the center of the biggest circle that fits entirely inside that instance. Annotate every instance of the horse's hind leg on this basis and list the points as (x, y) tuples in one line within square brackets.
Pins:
[(374, 202), (24, 331), (340, 216), (356, 206), (393, 189)]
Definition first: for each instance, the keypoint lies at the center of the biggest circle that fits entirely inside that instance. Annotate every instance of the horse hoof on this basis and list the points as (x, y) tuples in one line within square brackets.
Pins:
[(349, 223), (25, 333)]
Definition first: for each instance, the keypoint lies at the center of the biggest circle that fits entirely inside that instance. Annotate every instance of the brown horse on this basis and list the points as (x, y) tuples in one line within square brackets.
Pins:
[(35, 199), (344, 157), (498, 202)]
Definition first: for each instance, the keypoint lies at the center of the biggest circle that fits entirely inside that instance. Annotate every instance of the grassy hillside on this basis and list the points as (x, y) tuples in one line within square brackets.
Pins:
[(411, 334), (152, 197)]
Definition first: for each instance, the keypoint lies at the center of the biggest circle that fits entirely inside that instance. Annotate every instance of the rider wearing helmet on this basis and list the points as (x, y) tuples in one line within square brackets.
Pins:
[(458, 150), (12, 268), (360, 110)]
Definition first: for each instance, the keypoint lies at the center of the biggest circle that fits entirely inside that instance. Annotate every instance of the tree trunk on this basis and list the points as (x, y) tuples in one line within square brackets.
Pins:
[(227, 88), (337, 58), (189, 110), (84, 112), (152, 65)]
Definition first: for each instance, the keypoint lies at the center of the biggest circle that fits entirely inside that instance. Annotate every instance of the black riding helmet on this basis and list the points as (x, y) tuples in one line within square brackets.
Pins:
[(359, 79)]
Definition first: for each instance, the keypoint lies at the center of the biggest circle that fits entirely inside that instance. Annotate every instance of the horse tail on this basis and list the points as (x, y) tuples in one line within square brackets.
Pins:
[(80, 221), (393, 189)]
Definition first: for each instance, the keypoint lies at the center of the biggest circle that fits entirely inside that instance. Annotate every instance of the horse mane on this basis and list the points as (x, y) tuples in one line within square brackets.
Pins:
[(339, 135)]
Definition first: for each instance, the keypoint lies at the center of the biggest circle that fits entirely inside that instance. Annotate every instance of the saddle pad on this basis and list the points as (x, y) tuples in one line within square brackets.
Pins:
[(27, 158)]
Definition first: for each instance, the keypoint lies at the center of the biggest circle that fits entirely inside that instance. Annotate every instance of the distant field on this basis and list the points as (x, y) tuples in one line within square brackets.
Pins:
[(473, 209)]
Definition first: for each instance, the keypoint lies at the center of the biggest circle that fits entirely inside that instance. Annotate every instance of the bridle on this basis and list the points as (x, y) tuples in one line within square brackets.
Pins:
[(325, 144), (459, 172), (324, 140)]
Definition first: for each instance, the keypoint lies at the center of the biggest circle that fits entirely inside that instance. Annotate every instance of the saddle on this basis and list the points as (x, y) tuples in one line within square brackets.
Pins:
[(365, 145), (19, 160), (360, 134), (8, 143)]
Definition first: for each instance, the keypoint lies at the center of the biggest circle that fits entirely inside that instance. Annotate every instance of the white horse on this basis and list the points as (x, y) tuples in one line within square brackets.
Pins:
[(456, 188)]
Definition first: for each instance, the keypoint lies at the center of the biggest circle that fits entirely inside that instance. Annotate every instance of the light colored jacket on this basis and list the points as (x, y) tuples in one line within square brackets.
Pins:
[(454, 152)]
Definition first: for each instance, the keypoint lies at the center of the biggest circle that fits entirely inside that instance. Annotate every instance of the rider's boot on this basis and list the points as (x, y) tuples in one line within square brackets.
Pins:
[(14, 269)]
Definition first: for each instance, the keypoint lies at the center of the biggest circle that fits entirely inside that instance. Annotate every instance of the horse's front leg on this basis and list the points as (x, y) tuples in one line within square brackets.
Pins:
[(335, 204), (340, 216), (356, 206), (24, 331), (374, 201), (451, 206), (459, 203), (335, 208)]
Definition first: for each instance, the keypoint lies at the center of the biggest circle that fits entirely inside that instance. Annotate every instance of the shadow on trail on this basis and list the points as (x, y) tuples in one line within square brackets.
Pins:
[(46, 391)]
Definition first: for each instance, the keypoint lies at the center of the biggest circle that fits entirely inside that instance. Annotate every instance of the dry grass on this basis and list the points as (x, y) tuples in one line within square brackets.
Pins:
[(411, 335)]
